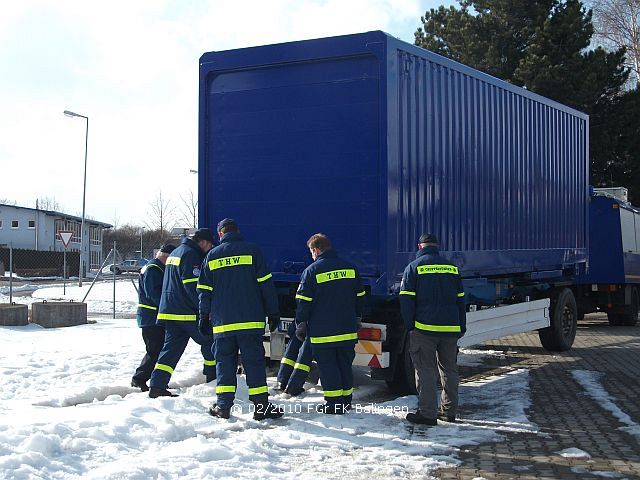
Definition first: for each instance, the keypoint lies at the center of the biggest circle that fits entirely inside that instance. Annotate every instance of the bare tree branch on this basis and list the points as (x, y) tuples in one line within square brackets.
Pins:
[(189, 209), (161, 213), (617, 24)]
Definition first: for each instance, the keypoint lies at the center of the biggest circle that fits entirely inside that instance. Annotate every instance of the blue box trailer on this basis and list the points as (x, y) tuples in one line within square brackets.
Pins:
[(374, 141), (612, 283)]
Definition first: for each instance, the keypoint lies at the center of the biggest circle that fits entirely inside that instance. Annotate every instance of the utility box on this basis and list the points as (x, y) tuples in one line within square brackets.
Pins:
[(59, 314), (12, 315)]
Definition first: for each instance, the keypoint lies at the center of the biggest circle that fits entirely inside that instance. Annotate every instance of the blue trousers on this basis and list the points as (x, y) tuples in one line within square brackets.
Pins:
[(335, 372), (176, 338), (295, 364), (252, 351)]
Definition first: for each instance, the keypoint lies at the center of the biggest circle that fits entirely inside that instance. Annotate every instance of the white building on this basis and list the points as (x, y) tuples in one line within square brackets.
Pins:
[(34, 229)]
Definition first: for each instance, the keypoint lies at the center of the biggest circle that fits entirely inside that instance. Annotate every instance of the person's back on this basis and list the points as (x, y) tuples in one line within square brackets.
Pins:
[(433, 310), (178, 311), (238, 274), (236, 293), (150, 283), (329, 305)]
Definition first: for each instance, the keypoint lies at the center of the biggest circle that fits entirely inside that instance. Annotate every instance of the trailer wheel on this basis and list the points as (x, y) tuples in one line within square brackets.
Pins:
[(631, 312), (614, 319), (405, 377), (564, 322)]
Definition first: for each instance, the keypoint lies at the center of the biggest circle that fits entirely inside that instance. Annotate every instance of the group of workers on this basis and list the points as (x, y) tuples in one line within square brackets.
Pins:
[(223, 296)]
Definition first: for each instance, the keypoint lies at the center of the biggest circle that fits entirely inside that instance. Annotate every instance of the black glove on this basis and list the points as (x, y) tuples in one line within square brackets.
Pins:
[(274, 321), (204, 325), (301, 331)]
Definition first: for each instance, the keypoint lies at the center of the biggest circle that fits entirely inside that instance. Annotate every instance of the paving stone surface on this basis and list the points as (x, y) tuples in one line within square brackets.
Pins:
[(565, 414)]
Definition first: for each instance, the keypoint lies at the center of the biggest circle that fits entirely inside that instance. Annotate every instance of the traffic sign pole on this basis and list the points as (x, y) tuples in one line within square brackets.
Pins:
[(65, 237)]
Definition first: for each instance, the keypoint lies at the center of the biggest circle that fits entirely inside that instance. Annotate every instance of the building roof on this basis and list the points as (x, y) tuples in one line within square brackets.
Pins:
[(60, 215)]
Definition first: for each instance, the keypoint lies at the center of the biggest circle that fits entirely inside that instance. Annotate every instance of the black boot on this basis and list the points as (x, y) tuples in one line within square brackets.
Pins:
[(420, 419), (211, 377), (267, 410), (160, 392), (294, 392), (141, 385), (445, 417), (216, 411)]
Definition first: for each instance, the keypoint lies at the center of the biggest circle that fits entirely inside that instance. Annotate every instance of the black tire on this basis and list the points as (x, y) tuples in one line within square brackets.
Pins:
[(117, 271), (560, 335), (614, 319), (405, 379), (631, 312)]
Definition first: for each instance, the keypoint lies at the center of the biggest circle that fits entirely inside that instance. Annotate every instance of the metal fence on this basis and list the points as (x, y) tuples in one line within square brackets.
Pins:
[(109, 290)]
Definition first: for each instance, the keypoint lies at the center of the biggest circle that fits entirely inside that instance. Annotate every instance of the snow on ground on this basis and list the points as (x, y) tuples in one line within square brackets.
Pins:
[(573, 453), (590, 382), (69, 412), (469, 357)]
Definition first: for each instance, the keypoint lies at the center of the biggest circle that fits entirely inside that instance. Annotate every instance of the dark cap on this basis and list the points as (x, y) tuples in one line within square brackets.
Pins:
[(204, 234), (167, 248), (428, 238), (226, 223)]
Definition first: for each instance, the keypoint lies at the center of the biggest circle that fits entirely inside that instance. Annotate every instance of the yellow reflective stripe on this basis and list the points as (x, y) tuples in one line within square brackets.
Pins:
[(438, 328), (335, 338), (361, 294), (423, 269), (288, 361), (225, 389), (302, 297), (180, 318), (258, 390), (347, 392), (166, 368), (332, 393), (461, 294), (302, 366), (407, 292), (266, 277), (173, 261), (335, 275), (238, 326), (190, 280), (154, 265), (210, 363), (204, 287), (150, 307), (230, 262)]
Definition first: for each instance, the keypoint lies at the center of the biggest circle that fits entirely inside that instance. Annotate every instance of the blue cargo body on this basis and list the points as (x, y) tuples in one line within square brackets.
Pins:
[(373, 141), (614, 243)]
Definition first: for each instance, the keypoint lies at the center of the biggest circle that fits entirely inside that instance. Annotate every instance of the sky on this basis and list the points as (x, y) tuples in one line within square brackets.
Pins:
[(132, 68)]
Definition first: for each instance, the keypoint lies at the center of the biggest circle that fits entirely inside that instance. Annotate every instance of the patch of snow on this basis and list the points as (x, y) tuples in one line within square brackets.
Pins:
[(469, 357), (573, 453), (590, 382), (69, 412)]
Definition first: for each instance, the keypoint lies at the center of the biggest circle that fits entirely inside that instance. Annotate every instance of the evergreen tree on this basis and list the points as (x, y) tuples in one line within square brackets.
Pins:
[(545, 47)]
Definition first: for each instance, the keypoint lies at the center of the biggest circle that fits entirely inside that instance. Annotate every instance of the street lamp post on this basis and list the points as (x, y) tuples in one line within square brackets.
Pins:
[(84, 193), (141, 232)]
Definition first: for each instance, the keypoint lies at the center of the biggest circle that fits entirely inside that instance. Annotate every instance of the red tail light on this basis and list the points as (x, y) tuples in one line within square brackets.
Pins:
[(370, 334)]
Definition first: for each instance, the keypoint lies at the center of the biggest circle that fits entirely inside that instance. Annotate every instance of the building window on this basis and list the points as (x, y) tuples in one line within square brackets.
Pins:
[(71, 226), (95, 260), (95, 234), (32, 224), (15, 224)]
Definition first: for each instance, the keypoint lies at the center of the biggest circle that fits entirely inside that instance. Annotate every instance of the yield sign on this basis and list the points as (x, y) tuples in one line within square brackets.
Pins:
[(65, 236)]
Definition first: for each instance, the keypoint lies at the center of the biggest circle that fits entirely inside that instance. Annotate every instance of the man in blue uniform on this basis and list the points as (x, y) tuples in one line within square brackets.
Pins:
[(149, 290), (433, 310), (295, 364), (178, 311), (329, 307), (236, 293)]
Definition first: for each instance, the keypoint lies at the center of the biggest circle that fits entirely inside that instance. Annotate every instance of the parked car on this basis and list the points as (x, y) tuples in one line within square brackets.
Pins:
[(128, 266)]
